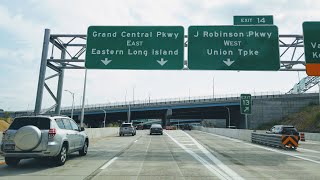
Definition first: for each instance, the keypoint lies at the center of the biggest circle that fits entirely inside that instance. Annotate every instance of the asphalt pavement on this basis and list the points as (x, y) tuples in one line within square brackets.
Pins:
[(175, 155)]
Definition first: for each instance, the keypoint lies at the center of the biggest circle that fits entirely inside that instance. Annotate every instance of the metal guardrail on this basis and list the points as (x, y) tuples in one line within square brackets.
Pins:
[(275, 140)]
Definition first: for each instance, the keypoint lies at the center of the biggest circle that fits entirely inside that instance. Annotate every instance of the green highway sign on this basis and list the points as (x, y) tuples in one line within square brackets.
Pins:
[(311, 38), (135, 47), (252, 20), (233, 48), (245, 103)]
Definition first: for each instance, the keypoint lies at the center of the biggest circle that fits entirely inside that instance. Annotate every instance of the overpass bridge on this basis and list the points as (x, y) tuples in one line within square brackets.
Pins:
[(266, 107)]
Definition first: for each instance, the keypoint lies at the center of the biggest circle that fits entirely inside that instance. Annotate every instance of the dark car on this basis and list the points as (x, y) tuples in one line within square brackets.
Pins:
[(187, 127), (156, 129), (284, 129)]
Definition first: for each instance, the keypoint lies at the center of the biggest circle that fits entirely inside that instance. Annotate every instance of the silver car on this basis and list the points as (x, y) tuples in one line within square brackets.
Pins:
[(127, 128), (43, 136)]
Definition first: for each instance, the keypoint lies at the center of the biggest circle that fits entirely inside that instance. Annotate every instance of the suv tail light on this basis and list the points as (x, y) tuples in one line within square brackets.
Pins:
[(52, 133)]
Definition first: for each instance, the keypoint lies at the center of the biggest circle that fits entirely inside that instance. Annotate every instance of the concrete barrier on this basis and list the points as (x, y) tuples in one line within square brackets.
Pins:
[(102, 132), (232, 133), (312, 136), (245, 135)]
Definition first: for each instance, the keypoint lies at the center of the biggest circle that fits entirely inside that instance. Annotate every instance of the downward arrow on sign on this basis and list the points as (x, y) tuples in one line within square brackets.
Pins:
[(106, 61), (162, 61), (228, 62)]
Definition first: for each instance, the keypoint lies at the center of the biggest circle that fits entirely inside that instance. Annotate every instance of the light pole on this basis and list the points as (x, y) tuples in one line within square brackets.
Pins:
[(104, 119), (319, 91), (228, 115), (213, 87), (72, 102), (83, 98), (133, 94)]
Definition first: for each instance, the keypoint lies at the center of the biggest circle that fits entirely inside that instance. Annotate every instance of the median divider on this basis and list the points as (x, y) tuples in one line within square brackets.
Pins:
[(275, 140), (94, 133)]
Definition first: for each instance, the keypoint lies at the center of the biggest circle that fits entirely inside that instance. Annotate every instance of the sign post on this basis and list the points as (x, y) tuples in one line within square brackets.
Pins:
[(246, 106), (311, 38), (135, 47), (233, 48)]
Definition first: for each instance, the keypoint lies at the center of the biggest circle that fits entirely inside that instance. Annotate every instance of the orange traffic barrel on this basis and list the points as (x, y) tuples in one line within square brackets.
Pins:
[(302, 138)]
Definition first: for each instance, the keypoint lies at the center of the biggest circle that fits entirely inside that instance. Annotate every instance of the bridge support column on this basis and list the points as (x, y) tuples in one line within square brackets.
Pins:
[(164, 121)]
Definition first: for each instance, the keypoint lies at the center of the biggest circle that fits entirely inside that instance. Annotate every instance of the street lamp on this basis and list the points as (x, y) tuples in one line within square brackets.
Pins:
[(72, 102), (228, 115), (104, 119)]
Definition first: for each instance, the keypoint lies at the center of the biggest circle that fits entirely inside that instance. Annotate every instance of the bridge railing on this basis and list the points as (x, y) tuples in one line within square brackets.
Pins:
[(173, 101)]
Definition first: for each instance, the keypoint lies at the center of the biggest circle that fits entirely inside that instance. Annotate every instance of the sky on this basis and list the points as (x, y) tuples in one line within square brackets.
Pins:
[(21, 36)]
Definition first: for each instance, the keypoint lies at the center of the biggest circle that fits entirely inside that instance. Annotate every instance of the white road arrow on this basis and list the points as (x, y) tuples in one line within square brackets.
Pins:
[(246, 109), (162, 61), (106, 61), (228, 62)]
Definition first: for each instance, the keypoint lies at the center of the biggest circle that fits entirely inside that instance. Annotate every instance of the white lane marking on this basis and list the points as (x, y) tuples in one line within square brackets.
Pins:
[(309, 150), (109, 163), (269, 149), (309, 142), (210, 167), (215, 160), (136, 141), (189, 144), (147, 149)]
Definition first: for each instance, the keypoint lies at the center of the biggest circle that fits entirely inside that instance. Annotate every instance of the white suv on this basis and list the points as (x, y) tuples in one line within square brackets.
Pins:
[(43, 136), (127, 128)]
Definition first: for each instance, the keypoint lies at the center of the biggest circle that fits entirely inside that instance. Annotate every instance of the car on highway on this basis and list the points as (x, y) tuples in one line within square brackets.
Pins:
[(139, 127), (284, 129), (156, 129), (54, 137), (127, 128)]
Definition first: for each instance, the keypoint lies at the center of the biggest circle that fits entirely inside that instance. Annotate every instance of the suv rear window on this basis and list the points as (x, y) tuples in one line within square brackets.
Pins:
[(289, 130), (40, 122), (125, 125)]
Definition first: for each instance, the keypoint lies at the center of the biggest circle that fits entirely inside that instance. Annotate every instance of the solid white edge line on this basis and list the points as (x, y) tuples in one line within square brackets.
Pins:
[(109, 163), (266, 148), (309, 150), (215, 160), (214, 170)]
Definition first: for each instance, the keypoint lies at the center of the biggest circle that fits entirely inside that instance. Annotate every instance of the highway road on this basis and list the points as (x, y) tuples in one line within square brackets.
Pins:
[(175, 155)]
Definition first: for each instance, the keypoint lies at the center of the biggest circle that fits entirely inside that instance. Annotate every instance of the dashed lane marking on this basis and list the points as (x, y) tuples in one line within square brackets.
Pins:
[(109, 163)]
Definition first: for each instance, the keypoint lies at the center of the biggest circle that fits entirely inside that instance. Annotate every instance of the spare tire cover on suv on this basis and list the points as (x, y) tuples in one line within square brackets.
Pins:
[(27, 138)]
